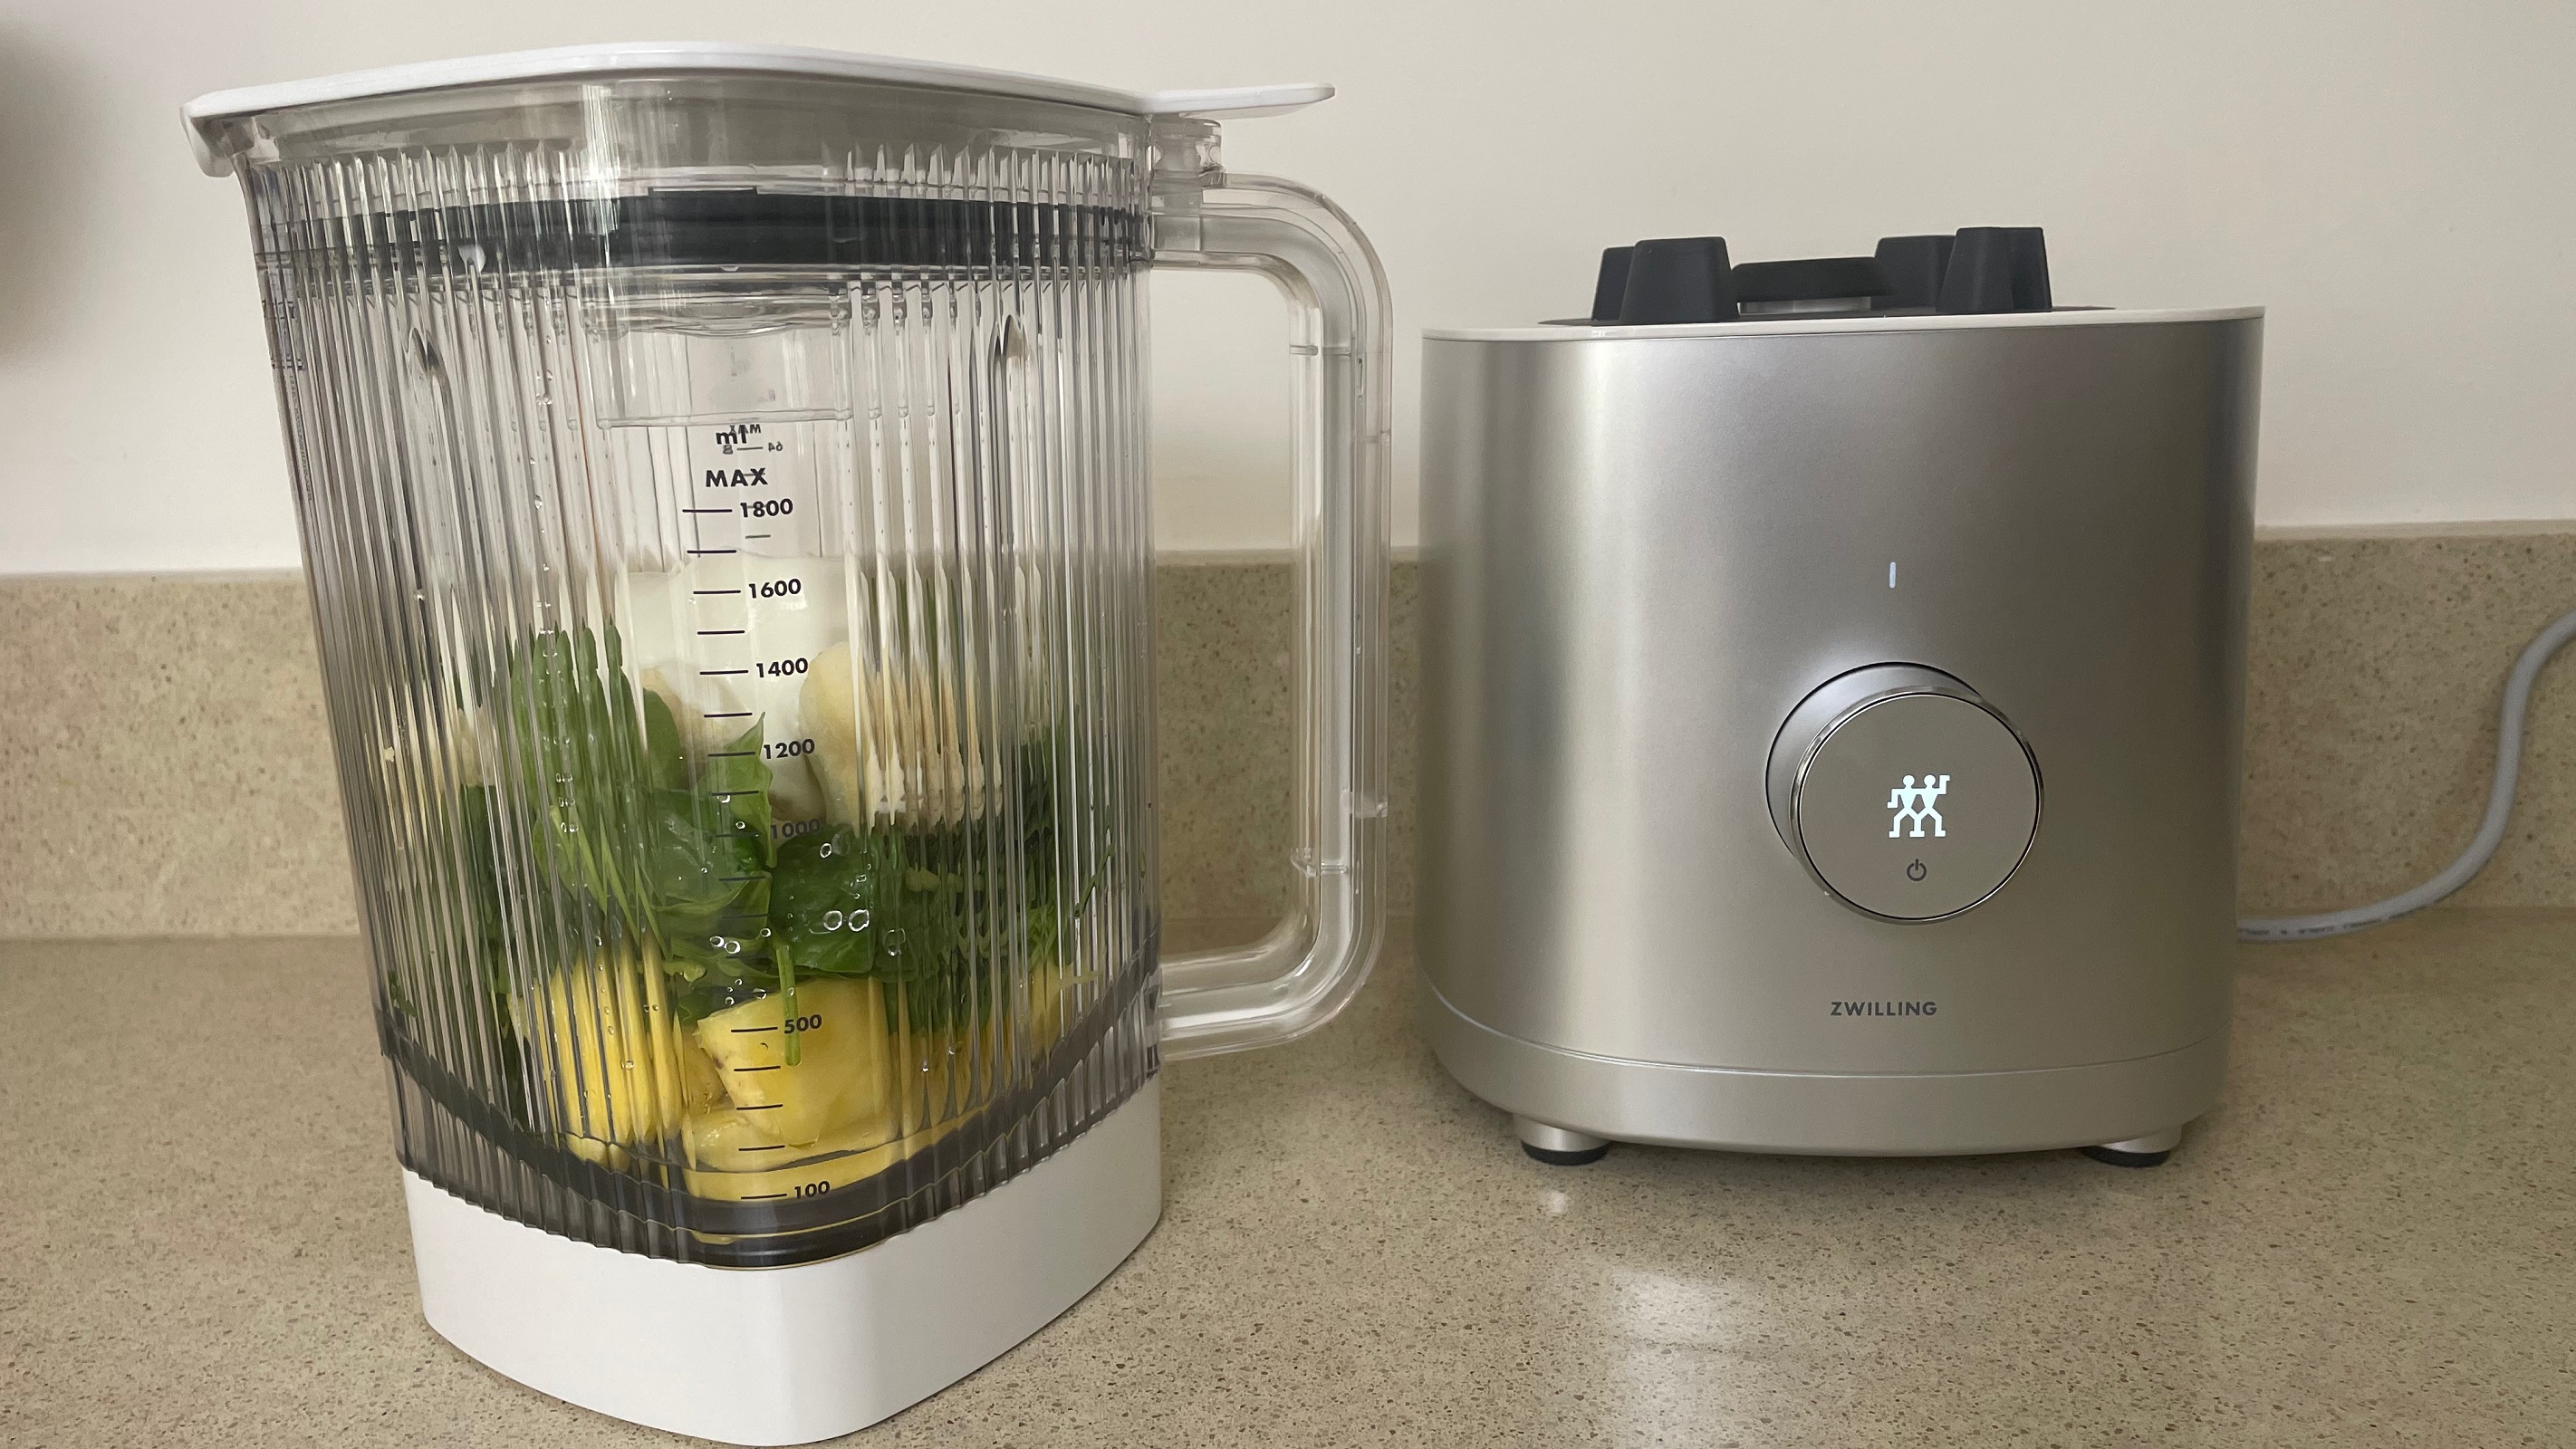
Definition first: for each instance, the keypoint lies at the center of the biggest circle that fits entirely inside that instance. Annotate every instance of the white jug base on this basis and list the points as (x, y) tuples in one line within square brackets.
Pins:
[(791, 1355)]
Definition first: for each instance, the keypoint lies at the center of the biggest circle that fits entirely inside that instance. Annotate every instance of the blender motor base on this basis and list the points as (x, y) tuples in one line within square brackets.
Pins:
[(790, 1355), (1863, 1114)]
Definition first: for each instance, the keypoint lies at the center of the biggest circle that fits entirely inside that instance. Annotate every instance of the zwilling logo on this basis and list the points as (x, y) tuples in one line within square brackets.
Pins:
[(1885, 1008), (1913, 804)]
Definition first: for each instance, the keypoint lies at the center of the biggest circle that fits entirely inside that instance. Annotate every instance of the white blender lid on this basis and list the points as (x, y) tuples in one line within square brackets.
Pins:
[(207, 113)]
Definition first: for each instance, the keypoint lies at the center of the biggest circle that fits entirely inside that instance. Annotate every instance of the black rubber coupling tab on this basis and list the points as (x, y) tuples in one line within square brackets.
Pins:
[(1678, 279)]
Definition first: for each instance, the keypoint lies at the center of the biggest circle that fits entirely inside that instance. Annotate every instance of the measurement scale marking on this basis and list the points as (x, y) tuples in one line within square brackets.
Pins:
[(715, 591), (753, 1030), (729, 714), (706, 510), (755, 1069), (714, 550), (708, 633), (724, 671), (766, 1146), (761, 1196), (761, 1107)]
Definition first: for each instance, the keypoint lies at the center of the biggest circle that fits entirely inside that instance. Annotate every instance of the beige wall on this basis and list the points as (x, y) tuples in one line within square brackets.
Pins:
[(175, 777), (2393, 180)]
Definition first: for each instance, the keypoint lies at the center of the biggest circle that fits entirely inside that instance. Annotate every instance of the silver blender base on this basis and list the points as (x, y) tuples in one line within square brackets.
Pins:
[(1558, 1146)]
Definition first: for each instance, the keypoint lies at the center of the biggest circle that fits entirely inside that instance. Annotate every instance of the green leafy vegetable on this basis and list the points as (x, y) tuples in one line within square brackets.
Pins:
[(616, 831), (924, 909)]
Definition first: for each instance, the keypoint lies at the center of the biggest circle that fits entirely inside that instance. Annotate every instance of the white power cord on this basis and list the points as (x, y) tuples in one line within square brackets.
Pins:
[(2517, 702)]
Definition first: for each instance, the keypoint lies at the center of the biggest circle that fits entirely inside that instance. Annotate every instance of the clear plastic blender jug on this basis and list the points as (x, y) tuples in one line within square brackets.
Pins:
[(722, 473)]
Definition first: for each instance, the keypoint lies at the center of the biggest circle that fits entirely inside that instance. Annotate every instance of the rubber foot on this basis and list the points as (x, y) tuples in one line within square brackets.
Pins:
[(2117, 1158), (1554, 1158)]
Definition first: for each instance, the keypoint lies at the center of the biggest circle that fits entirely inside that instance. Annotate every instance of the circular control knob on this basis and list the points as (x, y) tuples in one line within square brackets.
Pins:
[(1903, 792)]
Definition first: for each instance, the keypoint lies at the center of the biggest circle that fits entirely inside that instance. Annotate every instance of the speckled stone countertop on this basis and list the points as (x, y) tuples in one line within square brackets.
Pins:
[(2374, 1241)]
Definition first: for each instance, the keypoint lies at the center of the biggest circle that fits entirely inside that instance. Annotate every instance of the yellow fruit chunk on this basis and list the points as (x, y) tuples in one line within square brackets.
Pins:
[(738, 1170), (736, 1156), (732, 1159), (624, 1073), (1046, 1006), (842, 1077)]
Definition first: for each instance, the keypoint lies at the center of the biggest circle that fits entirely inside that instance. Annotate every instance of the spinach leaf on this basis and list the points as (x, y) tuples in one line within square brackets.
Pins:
[(601, 793), (666, 759), (596, 787), (927, 909), (824, 900), (571, 751)]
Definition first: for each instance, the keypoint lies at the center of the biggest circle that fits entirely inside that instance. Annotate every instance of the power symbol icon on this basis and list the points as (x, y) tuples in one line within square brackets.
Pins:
[(1916, 871)]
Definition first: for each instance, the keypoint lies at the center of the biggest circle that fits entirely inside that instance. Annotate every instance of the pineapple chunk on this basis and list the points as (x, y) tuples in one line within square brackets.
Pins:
[(738, 1169), (625, 1076), (841, 1080)]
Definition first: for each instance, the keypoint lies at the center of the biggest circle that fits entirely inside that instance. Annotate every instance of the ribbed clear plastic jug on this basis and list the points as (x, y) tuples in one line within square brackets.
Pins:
[(723, 483)]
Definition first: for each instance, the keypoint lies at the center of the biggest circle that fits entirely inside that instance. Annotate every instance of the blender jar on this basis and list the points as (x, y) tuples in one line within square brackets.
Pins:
[(723, 484)]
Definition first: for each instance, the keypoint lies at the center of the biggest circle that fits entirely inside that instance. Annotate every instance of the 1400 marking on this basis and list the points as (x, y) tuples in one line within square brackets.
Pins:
[(779, 668)]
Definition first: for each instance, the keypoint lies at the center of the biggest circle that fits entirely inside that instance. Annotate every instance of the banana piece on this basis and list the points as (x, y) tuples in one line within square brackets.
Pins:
[(892, 747)]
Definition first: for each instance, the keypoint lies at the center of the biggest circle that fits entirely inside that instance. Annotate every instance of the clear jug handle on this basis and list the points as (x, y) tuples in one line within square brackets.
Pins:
[(1311, 964)]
